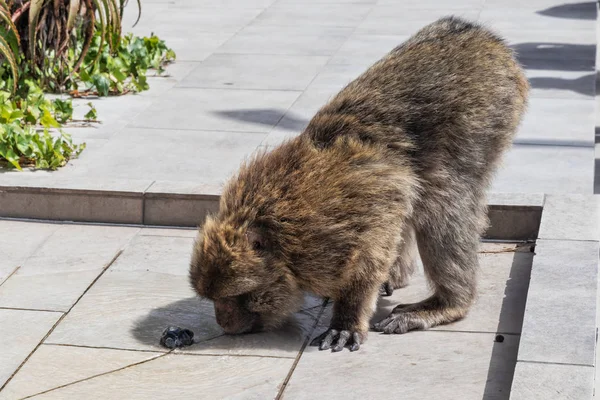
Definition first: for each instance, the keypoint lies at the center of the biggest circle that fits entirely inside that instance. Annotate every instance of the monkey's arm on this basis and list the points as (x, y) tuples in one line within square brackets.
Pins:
[(350, 322)]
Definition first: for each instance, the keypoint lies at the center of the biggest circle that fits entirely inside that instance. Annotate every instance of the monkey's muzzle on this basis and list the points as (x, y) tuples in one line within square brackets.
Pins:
[(234, 318)]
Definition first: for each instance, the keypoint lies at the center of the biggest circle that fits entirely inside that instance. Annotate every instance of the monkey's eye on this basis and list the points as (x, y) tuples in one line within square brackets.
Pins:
[(256, 245)]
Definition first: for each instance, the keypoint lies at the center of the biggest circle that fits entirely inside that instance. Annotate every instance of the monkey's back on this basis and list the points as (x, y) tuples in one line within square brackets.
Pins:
[(453, 93)]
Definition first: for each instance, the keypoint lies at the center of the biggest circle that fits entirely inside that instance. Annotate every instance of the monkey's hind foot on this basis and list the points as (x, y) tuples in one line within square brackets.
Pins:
[(326, 340), (419, 316)]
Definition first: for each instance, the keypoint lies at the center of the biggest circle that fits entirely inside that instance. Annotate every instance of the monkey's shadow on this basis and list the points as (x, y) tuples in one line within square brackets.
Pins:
[(198, 316)]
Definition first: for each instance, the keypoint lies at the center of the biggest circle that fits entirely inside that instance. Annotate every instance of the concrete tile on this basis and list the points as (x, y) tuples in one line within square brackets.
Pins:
[(560, 316), (514, 216), (208, 377), (147, 290), (551, 381), (550, 40), (555, 56), (180, 203), (63, 267), (428, 4), (191, 45), (170, 211), (284, 342), (19, 241), (562, 85), (342, 15), (217, 109), (184, 155), (513, 200), (515, 18), (365, 50), (571, 217), (397, 20), (546, 169), (532, 4), (14, 347), (502, 290), (59, 205), (335, 77), (174, 73), (299, 115), (213, 19), (287, 40), (255, 71), (53, 366), (545, 123), (477, 367), (184, 232)]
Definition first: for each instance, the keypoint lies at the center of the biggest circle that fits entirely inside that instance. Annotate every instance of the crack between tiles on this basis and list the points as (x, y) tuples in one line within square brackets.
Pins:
[(62, 317), (14, 271), (297, 360), (30, 309), (95, 376), (103, 348), (555, 363)]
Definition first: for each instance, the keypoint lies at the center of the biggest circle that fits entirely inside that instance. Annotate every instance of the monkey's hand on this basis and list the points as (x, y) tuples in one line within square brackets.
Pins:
[(338, 339)]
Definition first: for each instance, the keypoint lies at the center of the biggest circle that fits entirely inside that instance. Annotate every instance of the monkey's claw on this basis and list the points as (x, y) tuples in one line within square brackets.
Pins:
[(326, 340), (386, 289), (401, 322)]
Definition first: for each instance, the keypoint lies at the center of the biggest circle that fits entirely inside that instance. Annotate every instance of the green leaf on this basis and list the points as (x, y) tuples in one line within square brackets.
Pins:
[(101, 83), (92, 114), (48, 121)]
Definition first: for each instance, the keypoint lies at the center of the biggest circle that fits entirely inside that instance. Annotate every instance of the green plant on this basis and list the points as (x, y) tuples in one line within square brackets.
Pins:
[(57, 46), (25, 138)]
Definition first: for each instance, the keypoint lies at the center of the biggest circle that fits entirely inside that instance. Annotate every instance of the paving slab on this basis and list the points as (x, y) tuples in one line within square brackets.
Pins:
[(500, 305), (418, 365), (552, 381), (185, 376), (287, 40), (146, 290), (570, 217), (531, 168), (50, 367), (255, 71), (340, 15), (560, 316), (58, 272), (217, 110), (16, 348), (19, 241)]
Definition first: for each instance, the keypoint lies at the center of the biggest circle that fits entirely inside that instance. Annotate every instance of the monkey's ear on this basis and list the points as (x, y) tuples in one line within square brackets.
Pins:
[(256, 240)]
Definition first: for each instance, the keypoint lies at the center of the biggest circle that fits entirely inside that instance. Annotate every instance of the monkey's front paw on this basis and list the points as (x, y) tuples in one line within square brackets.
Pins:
[(338, 339), (386, 289), (402, 322)]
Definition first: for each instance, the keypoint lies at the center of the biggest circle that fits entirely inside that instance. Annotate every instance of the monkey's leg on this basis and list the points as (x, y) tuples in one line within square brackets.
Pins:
[(350, 322), (404, 265), (448, 250)]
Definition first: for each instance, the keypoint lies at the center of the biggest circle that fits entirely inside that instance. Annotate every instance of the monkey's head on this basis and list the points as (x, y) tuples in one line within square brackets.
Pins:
[(234, 266)]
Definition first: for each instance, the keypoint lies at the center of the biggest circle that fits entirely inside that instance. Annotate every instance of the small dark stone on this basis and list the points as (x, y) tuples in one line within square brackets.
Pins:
[(174, 337), (499, 338)]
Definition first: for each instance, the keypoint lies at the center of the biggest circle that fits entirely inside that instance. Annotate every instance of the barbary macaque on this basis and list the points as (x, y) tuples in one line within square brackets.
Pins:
[(399, 160)]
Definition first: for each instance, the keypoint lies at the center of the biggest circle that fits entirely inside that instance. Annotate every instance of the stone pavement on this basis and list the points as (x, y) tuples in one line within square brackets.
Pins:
[(252, 72), (92, 300), (82, 315)]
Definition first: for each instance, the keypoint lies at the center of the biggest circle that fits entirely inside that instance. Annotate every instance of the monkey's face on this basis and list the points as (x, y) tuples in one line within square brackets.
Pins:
[(235, 268)]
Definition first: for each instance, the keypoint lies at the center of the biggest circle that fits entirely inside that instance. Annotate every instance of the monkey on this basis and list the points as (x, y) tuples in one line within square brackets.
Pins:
[(397, 163)]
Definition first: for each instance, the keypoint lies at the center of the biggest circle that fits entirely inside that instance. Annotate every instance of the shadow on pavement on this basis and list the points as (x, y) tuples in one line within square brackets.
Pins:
[(585, 10), (583, 85), (504, 356), (556, 56), (266, 116)]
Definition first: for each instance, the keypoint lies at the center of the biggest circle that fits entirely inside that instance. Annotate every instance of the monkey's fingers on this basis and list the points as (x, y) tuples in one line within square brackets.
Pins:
[(324, 340), (341, 342), (386, 289)]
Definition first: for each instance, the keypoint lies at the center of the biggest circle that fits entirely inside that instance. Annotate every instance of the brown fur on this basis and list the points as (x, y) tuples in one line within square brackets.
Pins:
[(402, 157)]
